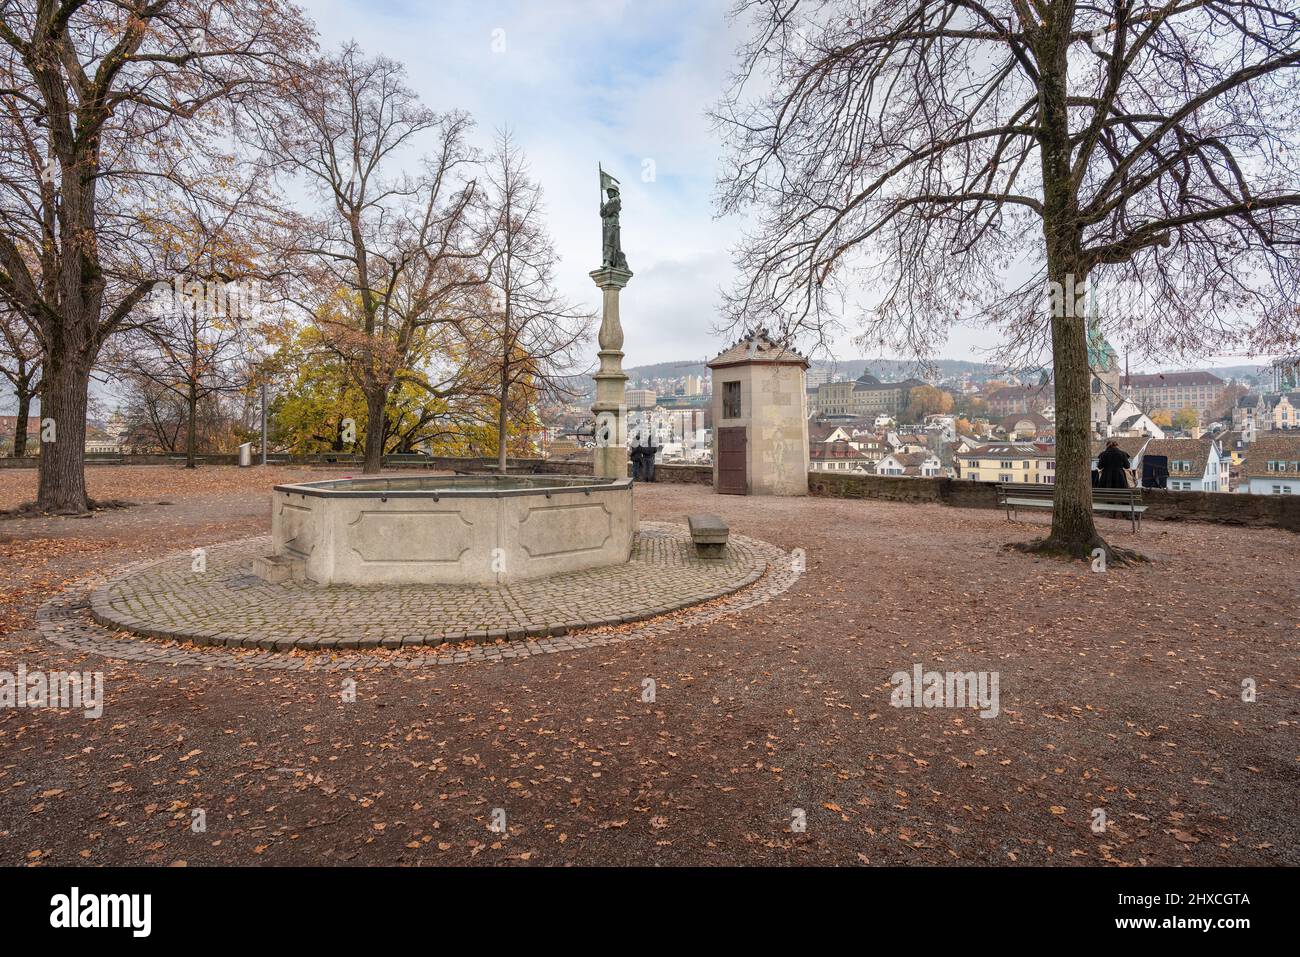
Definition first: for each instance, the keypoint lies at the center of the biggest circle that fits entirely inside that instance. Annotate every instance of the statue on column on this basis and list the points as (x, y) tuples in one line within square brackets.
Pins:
[(611, 255)]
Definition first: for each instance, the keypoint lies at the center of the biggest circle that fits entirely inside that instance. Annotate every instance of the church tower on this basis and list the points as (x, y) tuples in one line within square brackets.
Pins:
[(1103, 363)]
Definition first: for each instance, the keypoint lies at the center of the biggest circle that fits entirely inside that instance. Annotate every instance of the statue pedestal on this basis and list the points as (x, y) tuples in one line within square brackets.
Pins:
[(610, 407)]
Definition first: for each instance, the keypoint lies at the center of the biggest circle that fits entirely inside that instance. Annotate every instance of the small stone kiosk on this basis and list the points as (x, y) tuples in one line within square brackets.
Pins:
[(760, 419)]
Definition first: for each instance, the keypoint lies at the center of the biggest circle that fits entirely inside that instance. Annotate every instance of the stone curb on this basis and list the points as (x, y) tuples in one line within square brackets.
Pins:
[(82, 620)]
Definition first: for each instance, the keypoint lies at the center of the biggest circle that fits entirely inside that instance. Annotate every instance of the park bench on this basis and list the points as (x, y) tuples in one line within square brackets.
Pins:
[(407, 459), (1109, 501), (709, 534)]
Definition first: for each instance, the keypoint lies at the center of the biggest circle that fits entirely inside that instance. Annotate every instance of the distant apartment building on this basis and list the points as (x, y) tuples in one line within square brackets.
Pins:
[(1031, 463), (1173, 391), (866, 397), (1020, 399), (838, 456), (818, 377), (1272, 411), (1273, 465), (640, 398)]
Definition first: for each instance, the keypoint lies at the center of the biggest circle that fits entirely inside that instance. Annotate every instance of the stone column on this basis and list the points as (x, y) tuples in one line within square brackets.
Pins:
[(610, 408)]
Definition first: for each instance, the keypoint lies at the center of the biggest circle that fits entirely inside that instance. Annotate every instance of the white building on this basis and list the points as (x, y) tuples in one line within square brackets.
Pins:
[(1273, 465), (914, 464), (1195, 465), (1127, 420)]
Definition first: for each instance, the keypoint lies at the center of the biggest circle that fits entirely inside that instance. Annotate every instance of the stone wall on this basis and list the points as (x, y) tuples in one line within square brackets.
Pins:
[(885, 487), (685, 474), (34, 461), (1256, 511)]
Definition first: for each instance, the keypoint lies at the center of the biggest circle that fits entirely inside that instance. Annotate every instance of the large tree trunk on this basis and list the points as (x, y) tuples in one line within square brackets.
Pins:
[(376, 399), (62, 482), (1074, 533), (20, 425), (1073, 529)]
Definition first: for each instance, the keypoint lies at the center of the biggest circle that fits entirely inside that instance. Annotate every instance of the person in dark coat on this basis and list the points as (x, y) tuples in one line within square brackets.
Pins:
[(648, 454), (1111, 465), (637, 455)]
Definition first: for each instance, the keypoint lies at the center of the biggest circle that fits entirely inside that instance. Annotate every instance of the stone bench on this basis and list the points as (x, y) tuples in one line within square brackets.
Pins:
[(709, 533)]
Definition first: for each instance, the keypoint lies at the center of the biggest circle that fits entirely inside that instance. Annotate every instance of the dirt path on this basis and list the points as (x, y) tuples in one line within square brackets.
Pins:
[(1118, 691)]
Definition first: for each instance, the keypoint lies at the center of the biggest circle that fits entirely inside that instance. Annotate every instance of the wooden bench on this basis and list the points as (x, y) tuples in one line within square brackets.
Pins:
[(1109, 501), (709, 533)]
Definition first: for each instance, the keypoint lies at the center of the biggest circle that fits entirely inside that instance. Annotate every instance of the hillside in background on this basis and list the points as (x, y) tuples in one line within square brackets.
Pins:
[(884, 369), (892, 370)]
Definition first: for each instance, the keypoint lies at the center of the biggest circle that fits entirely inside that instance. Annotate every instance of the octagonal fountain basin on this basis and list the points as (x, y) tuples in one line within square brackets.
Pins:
[(450, 529)]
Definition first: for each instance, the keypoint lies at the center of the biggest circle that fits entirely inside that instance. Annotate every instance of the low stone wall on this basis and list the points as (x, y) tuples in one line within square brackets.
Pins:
[(213, 458), (1256, 511), (684, 474), (885, 487), (1222, 508)]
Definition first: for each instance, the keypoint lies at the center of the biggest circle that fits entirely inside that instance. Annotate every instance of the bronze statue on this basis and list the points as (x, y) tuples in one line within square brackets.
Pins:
[(611, 255)]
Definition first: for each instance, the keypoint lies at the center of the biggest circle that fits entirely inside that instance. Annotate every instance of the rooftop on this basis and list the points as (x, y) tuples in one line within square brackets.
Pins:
[(1273, 447), (1162, 379), (757, 347)]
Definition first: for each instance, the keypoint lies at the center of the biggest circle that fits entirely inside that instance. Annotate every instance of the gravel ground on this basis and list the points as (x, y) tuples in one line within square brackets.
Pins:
[(1119, 691)]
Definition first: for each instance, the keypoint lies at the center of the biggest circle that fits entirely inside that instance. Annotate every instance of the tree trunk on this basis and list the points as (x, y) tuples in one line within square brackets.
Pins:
[(62, 481), (192, 404), (1074, 533), (20, 425), (376, 399), (1073, 529)]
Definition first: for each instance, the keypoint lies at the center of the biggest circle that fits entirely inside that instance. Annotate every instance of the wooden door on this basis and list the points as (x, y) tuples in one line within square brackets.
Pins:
[(732, 476)]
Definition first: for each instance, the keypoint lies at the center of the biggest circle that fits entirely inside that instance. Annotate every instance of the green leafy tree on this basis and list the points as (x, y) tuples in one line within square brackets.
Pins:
[(1186, 419)]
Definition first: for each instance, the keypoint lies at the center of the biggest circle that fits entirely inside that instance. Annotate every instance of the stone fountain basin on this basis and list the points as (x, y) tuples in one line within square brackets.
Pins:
[(450, 529)]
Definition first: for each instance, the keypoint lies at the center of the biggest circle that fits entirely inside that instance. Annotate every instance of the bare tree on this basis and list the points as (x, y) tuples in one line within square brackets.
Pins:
[(20, 364), (109, 120), (936, 148), (528, 334), (195, 347), (387, 253)]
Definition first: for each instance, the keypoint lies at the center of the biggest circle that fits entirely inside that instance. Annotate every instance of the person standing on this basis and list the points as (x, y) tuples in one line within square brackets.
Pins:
[(637, 455), (1112, 465)]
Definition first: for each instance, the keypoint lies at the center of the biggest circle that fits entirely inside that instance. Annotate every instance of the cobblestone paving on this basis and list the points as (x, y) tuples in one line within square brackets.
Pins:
[(257, 622)]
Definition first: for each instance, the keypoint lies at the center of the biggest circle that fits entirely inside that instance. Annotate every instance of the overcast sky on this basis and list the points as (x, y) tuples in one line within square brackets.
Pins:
[(623, 83)]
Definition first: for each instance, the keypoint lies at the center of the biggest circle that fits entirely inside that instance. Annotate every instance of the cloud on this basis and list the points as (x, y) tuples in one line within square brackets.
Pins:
[(625, 84)]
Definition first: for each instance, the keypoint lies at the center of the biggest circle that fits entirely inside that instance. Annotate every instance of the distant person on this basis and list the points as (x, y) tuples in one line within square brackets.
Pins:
[(648, 454), (1111, 466), (637, 455)]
